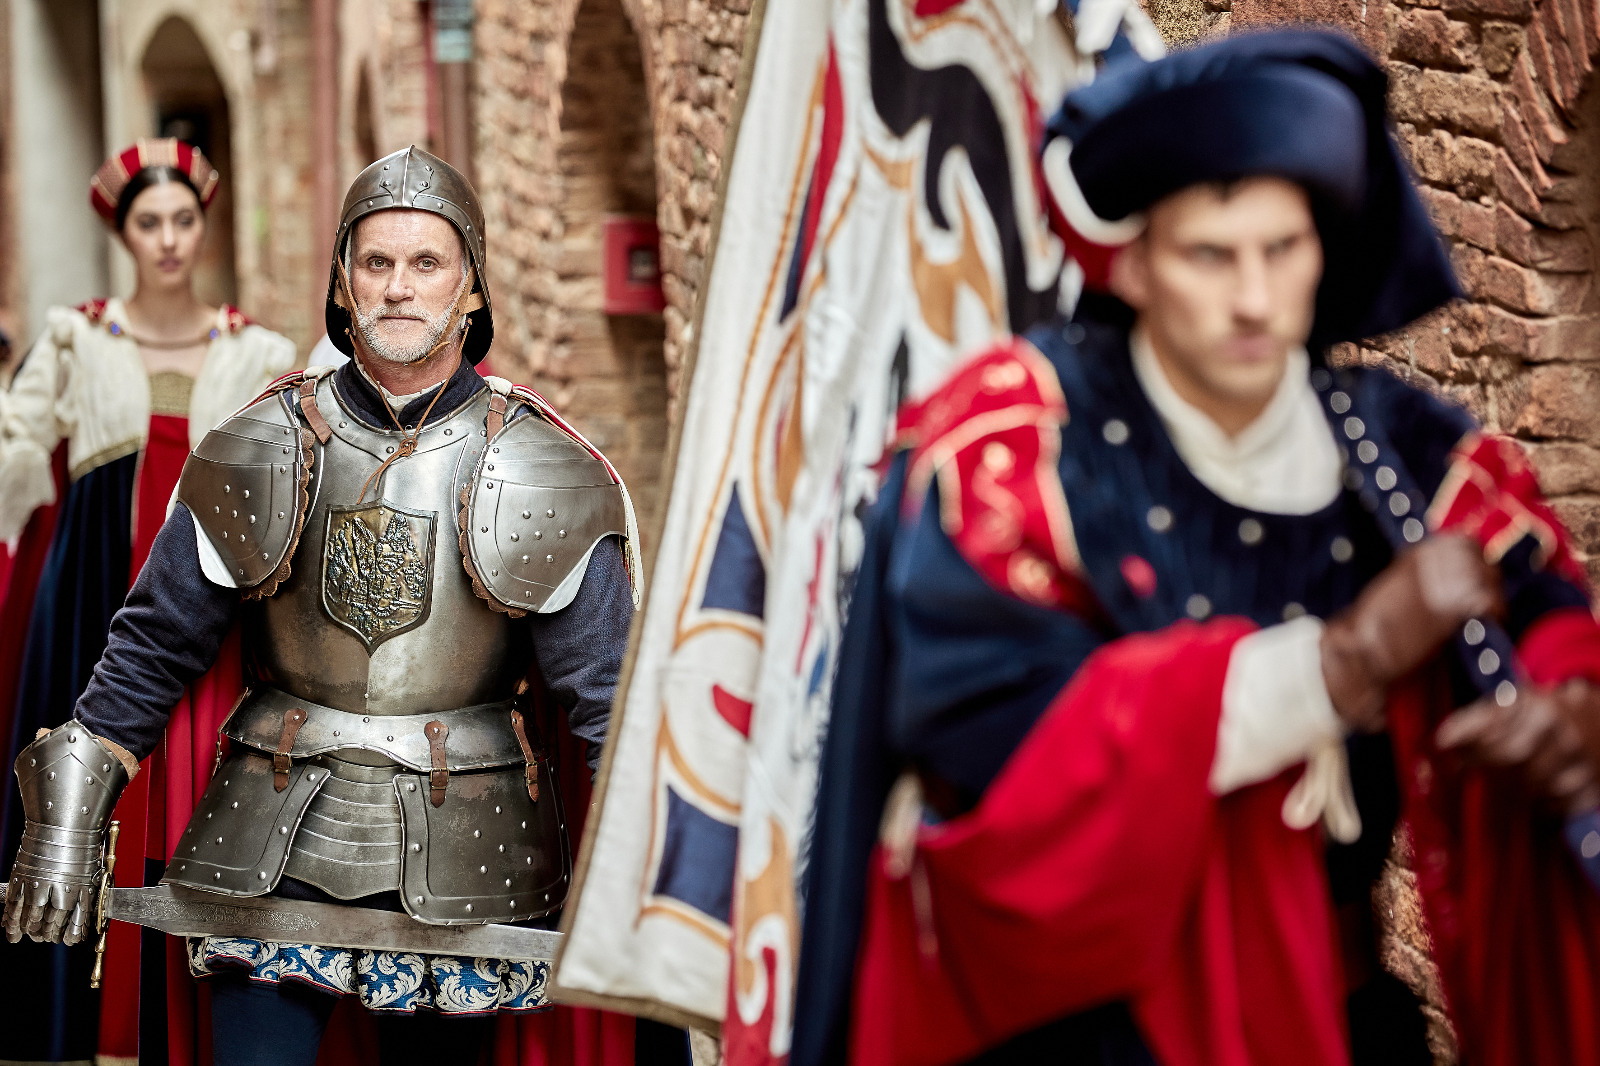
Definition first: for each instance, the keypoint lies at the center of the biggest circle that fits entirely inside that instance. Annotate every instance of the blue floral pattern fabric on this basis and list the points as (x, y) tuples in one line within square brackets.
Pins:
[(383, 980)]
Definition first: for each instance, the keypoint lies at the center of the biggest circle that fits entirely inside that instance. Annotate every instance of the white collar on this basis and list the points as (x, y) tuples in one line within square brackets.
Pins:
[(397, 402), (1284, 462)]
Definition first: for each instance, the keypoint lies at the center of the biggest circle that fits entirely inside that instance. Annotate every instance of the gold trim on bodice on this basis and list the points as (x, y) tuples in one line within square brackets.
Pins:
[(170, 393)]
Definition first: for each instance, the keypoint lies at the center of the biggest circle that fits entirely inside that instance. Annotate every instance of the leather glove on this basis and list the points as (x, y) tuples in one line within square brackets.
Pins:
[(1551, 734), (70, 781), (1401, 619)]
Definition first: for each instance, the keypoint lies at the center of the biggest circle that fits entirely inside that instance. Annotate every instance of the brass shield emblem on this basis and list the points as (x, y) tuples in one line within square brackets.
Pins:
[(377, 570)]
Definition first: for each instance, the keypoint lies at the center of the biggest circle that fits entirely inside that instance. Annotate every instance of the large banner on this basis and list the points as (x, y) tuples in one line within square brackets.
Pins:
[(884, 215)]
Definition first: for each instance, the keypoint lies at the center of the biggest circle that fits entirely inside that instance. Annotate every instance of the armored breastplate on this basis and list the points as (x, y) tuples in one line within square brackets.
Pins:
[(378, 615), (381, 746)]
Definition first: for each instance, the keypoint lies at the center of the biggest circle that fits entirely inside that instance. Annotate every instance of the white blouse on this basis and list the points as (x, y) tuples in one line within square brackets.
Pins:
[(86, 384)]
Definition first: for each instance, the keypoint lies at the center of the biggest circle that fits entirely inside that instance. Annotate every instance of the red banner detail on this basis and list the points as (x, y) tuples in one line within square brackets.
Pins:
[(734, 711)]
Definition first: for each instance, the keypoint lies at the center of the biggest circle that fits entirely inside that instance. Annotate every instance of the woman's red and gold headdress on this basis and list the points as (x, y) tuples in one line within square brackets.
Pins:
[(105, 188)]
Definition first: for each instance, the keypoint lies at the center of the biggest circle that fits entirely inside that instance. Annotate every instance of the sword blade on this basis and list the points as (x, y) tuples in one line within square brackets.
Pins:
[(185, 912)]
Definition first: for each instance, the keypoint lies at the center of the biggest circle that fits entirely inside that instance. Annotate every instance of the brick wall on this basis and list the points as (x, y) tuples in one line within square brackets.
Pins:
[(585, 109)]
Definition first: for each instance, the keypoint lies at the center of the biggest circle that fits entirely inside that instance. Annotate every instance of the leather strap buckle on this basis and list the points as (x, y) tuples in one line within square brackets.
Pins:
[(496, 420), (293, 719), (313, 413), (439, 776), (530, 772)]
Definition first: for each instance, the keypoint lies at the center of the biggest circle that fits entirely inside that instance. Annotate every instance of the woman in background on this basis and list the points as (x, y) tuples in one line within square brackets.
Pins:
[(94, 430)]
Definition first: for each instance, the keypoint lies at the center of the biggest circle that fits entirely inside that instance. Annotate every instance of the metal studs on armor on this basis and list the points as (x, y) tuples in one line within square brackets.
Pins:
[(1159, 518), (550, 514), (538, 534), (417, 900), (488, 484), (1412, 530), (1342, 550), (227, 488), (416, 847), (411, 786), (469, 908), (1115, 432), (261, 875), (483, 869), (562, 533), (390, 449), (1197, 606), (1250, 531), (549, 558), (516, 536), (476, 833), (283, 830)]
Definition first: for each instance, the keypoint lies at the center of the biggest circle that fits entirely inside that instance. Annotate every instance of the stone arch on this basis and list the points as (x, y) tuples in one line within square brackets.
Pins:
[(612, 363), (189, 101), (363, 121)]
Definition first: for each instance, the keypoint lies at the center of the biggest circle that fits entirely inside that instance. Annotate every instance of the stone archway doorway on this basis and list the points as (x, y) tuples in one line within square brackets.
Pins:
[(614, 362), (189, 103)]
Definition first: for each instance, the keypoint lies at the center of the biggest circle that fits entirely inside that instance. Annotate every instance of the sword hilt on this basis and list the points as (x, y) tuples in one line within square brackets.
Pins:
[(102, 917)]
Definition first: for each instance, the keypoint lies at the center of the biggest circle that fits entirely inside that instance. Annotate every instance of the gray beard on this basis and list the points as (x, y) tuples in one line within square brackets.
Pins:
[(367, 322)]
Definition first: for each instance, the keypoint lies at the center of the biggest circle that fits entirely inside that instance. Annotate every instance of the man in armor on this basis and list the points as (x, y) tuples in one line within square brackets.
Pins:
[(403, 543)]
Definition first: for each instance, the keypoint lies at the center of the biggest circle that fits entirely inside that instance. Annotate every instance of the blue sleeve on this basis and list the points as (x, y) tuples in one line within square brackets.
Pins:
[(580, 647), (974, 667), (167, 634)]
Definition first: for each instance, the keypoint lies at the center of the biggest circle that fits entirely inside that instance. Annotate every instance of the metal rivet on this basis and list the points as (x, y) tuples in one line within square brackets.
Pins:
[(538, 534), (449, 432), (1488, 661), (469, 908), (1367, 452), (550, 514), (1412, 530), (51, 776), (1384, 478), (235, 514), (1398, 504), (508, 885), (417, 900), (524, 825), (217, 876), (496, 573), (285, 449), (1340, 402), (261, 875), (497, 811), (225, 782), (252, 519), (343, 425), (411, 787), (1115, 432), (216, 510), (525, 558), (283, 469), (483, 869), (549, 558), (491, 465), (1474, 632), (502, 849), (516, 536), (1159, 518), (1197, 606), (1354, 427), (84, 810), (476, 833), (1250, 531), (227, 488), (219, 840), (335, 732), (416, 847), (390, 449), (1341, 549), (488, 484), (105, 768), (561, 533), (247, 494), (483, 529), (530, 860), (280, 514), (366, 718), (47, 805), (283, 830), (235, 804), (311, 777)]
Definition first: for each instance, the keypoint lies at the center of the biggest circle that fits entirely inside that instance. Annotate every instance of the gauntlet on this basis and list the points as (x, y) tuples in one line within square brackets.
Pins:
[(70, 780)]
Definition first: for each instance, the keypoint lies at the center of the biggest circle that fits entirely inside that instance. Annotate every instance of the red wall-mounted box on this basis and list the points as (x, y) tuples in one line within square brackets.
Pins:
[(632, 257)]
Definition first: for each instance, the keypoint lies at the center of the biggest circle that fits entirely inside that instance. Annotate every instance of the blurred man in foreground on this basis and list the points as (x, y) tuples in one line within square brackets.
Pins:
[(1156, 639)]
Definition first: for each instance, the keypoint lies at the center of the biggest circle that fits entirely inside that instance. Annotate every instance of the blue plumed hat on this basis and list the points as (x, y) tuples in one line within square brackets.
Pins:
[(1305, 104)]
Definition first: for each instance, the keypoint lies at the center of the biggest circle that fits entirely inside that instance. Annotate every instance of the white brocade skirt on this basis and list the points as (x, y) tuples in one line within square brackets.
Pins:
[(383, 980)]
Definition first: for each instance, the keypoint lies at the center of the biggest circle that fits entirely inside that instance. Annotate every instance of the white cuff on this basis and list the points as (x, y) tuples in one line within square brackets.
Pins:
[(1275, 706), (1276, 712)]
